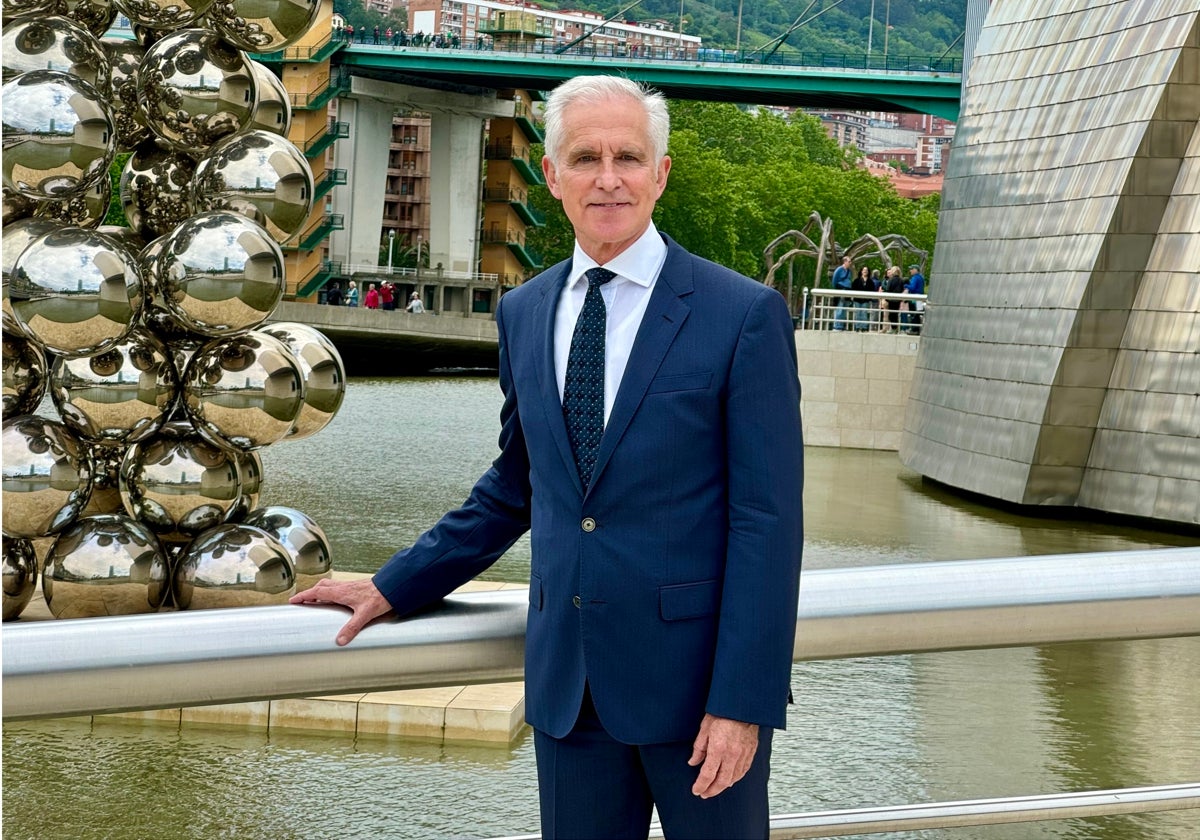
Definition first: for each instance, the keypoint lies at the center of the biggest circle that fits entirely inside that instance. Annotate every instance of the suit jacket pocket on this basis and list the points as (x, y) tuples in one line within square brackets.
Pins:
[(689, 600), (680, 382), (535, 592)]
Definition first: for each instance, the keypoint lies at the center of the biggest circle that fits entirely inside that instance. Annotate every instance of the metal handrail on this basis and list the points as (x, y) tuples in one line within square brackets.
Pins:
[(127, 663), (975, 812), (431, 275), (820, 307)]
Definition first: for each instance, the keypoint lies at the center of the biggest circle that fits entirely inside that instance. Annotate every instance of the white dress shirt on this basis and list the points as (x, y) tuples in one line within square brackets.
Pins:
[(625, 299)]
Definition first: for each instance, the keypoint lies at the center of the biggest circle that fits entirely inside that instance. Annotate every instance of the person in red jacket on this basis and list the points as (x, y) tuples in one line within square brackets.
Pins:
[(372, 301), (387, 298)]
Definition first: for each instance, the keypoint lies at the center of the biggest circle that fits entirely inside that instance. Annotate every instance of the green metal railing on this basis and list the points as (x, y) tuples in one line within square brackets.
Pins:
[(320, 51), (333, 178), (324, 138), (330, 223)]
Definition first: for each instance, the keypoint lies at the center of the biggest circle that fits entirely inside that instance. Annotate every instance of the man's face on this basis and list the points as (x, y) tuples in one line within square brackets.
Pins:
[(607, 180)]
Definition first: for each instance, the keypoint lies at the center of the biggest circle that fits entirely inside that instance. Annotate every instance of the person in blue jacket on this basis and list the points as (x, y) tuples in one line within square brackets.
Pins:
[(916, 309), (650, 442)]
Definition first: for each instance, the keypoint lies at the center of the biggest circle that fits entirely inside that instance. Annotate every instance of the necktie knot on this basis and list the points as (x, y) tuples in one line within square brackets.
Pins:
[(598, 276)]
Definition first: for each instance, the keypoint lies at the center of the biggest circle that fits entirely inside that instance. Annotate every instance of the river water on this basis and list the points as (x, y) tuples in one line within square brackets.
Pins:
[(863, 732)]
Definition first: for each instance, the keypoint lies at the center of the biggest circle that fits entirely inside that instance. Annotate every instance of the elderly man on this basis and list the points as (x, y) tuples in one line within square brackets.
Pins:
[(650, 440)]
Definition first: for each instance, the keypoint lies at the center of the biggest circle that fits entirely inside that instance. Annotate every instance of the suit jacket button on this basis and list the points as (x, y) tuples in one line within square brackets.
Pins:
[(588, 524), (576, 601)]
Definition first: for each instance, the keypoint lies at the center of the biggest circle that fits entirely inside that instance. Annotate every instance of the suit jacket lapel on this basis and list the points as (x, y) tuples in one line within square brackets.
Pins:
[(665, 314), (544, 316)]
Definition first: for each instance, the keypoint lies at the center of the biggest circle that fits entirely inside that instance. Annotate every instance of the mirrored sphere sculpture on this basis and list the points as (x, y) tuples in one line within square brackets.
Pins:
[(20, 575), (220, 273), (124, 58), (106, 477), (52, 42), (250, 466), (302, 537), (164, 14), (47, 477), (154, 189), (25, 375), (104, 565), (260, 175), (156, 318), (96, 16), (274, 110), (233, 566), (120, 396), (15, 207), (196, 88), (16, 237), (263, 25), (76, 291), (244, 392), (179, 484), (83, 209), (58, 134), (323, 371)]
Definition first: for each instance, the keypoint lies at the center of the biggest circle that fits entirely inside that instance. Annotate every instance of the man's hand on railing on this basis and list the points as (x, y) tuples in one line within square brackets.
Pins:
[(361, 596)]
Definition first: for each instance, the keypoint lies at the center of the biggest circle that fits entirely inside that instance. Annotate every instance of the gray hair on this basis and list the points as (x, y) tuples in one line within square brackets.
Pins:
[(592, 90)]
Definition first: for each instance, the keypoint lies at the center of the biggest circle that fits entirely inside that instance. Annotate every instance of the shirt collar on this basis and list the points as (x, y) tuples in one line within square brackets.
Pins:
[(639, 263)]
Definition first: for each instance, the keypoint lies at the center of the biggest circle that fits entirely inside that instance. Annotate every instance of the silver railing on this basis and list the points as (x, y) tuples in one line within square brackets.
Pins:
[(828, 309), (426, 275), (127, 663), (169, 660)]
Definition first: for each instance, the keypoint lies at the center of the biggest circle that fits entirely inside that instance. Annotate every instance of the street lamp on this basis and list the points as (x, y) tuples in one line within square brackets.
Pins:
[(391, 248)]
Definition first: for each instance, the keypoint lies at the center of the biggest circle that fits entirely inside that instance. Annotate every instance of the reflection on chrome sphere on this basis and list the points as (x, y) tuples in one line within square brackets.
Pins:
[(260, 175), (96, 16), (251, 467), (104, 565), (25, 375), (263, 26), (302, 537), (233, 566), (106, 480), (196, 88), (274, 110), (120, 396), (323, 372), (16, 237), (156, 318), (220, 274), (154, 189), (244, 392), (84, 209), (76, 291), (20, 575), (15, 207), (58, 134), (52, 42), (164, 14), (47, 477), (124, 58), (179, 484)]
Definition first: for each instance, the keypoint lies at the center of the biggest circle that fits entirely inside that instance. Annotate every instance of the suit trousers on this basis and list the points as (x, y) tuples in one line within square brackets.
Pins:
[(593, 786)]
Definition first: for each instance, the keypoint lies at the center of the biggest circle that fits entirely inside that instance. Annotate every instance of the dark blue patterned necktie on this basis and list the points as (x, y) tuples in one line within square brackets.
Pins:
[(583, 393)]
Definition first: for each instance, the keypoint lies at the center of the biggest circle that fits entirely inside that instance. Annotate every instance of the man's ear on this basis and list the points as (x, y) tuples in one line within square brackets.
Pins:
[(551, 177)]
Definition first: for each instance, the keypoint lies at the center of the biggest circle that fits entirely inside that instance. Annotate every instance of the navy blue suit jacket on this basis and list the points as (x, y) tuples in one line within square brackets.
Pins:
[(671, 586)]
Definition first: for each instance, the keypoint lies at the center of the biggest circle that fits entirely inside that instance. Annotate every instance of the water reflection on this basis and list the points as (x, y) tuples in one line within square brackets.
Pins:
[(863, 732)]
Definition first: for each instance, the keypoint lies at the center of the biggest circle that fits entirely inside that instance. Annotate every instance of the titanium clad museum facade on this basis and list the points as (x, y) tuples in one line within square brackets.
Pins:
[(1060, 358)]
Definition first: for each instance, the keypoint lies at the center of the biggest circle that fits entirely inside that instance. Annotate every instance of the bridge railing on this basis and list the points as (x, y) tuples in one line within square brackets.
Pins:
[(837, 309)]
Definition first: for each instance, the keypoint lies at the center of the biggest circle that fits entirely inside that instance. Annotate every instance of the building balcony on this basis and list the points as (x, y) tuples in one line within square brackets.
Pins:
[(329, 223), (322, 274), (323, 139), (519, 158), (332, 85), (312, 53), (524, 120), (518, 200), (515, 242), (333, 178)]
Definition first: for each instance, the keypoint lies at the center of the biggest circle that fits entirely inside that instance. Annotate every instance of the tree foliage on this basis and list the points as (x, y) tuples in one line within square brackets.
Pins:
[(739, 179)]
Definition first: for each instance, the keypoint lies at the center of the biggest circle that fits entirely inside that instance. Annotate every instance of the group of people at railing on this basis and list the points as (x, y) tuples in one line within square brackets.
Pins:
[(382, 297), (400, 38), (863, 301)]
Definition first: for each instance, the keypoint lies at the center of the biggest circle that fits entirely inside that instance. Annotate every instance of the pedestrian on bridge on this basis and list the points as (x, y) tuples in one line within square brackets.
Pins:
[(650, 441)]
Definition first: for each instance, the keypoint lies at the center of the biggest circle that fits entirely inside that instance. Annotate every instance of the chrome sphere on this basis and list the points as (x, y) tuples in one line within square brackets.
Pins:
[(47, 477), (15, 207), (302, 537), (233, 566), (96, 16), (323, 372), (52, 42), (179, 484), (85, 209), (16, 238), (164, 14), (120, 396), (104, 565), (154, 189), (196, 88), (260, 175), (58, 134), (124, 58), (274, 110), (156, 318), (244, 392), (251, 466), (220, 273), (263, 25), (20, 575), (106, 480), (76, 291), (25, 375)]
